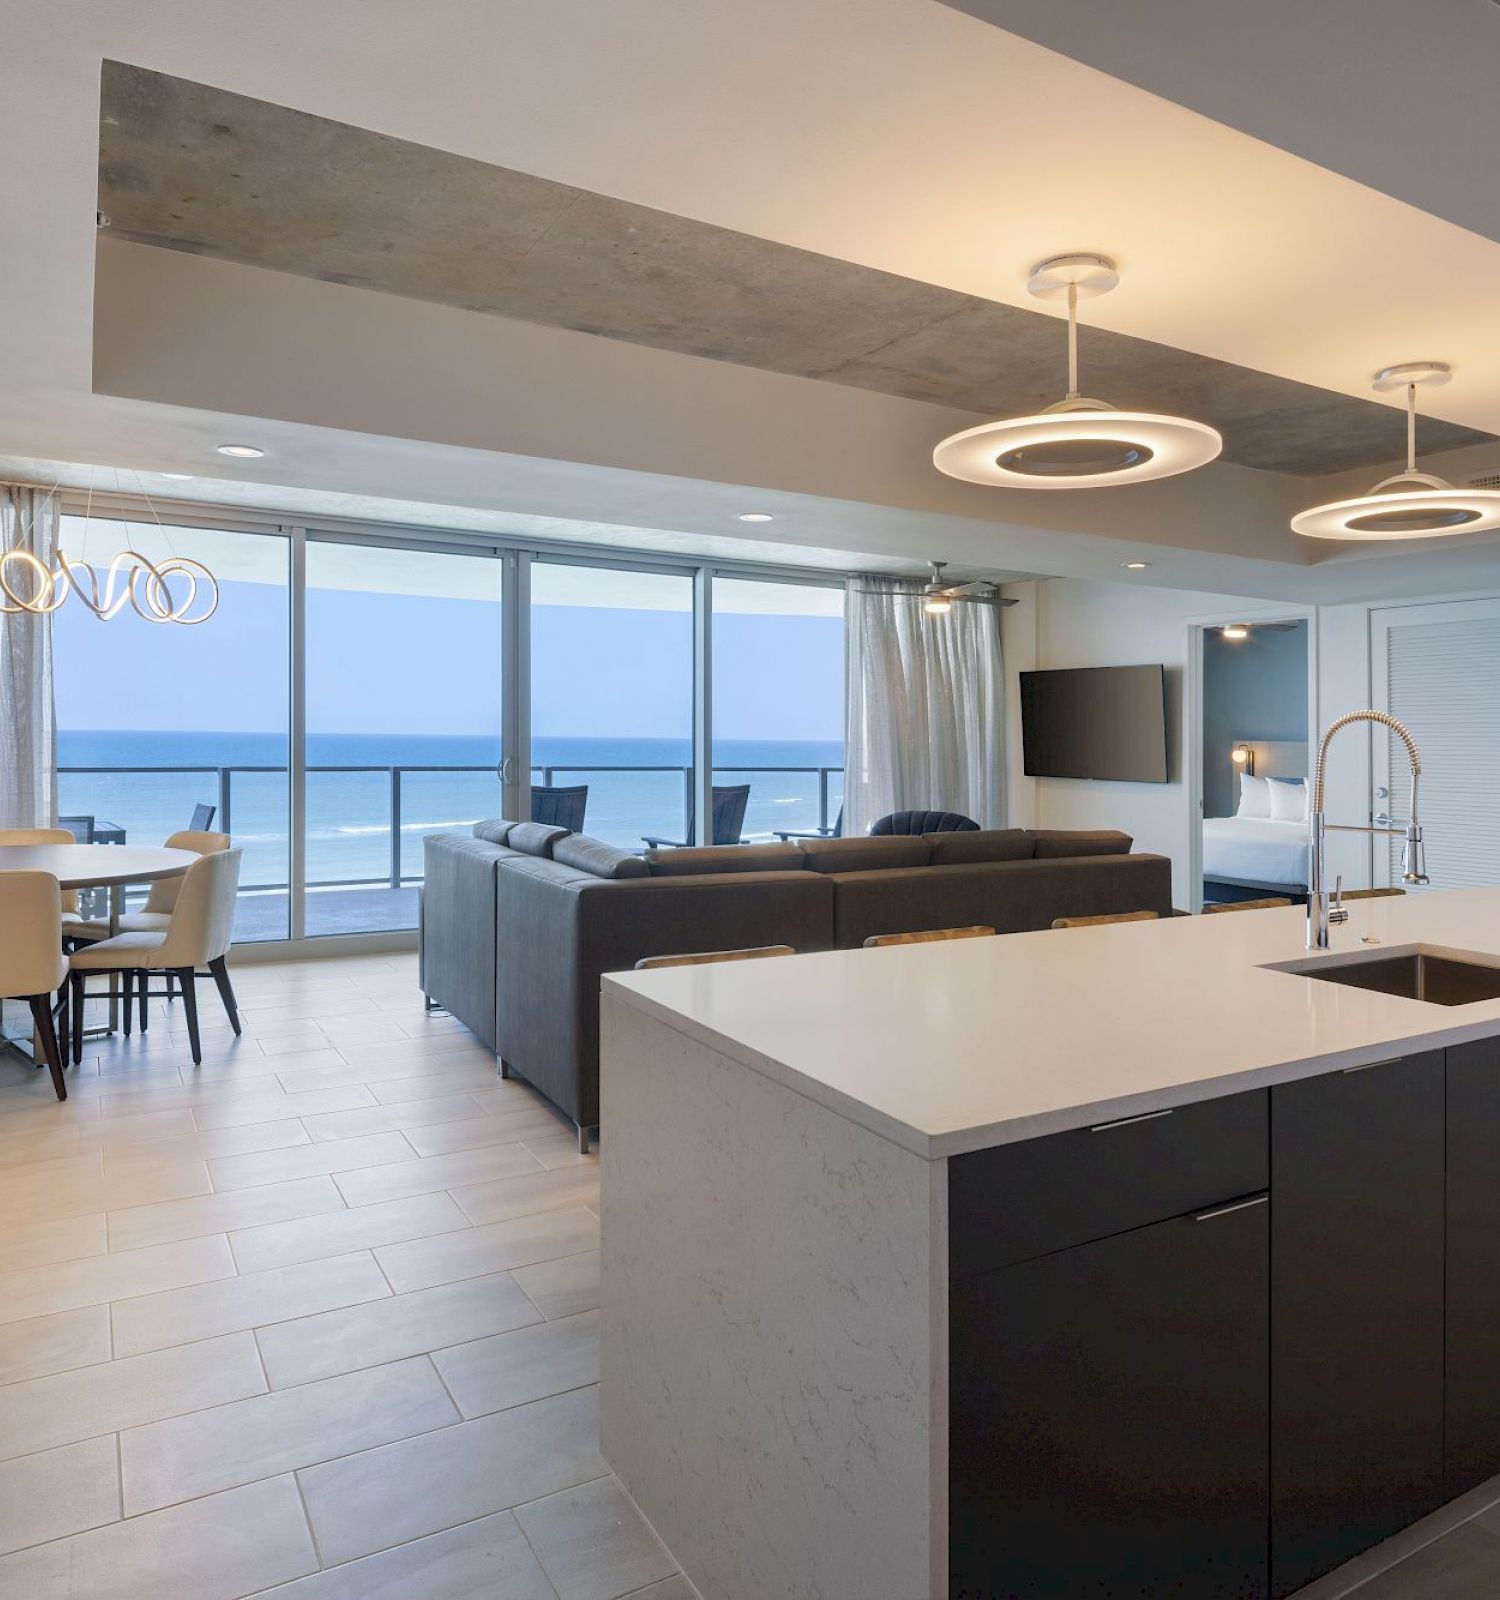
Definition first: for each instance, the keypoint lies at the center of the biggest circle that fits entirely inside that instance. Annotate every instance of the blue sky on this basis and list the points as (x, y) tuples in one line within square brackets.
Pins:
[(390, 663)]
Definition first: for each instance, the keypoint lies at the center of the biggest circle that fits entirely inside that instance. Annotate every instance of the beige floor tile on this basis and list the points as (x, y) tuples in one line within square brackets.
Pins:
[(501, 1198), (507, 1094), (296, 1044), (303, 1161), (402, 1178), (180, 1316), (188, 1456), (453, 1077), (287, 1028), (391, 1119), (206, 1144), (400, 1049), (57, 1492), (559, 1150), (117, 1134), (285, 1070), (62, 1341), (353, 1029), (268, 1106), (496, 1247), (220, 1548), (484, 1560), (444, 1138), (563, 1288), (67, 1285), (593, 1543), (430, 1023), (25, 1150), (46, 1412), (309, 1005), (17, 1183), (48, 1239), (386, 1330), (383, 1497), (674, 1588), (280, 1244), (82, 1197), (136, 1226), (510, 1369)]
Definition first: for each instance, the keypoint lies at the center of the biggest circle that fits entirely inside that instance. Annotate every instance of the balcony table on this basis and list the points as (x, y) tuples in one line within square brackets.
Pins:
[(95, 866)]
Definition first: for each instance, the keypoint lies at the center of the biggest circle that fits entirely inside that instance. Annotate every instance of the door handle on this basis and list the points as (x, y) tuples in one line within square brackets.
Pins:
[(1234, 1205)]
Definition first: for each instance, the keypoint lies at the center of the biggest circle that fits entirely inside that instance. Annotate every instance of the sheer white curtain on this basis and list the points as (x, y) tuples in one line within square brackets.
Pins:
[(28, 728), (926, 708)]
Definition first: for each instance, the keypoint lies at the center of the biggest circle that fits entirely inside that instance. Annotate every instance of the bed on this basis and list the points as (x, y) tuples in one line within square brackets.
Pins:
[(1255, 853)]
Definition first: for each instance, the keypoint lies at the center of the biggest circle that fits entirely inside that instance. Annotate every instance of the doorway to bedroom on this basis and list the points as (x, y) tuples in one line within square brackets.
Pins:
[(1254, 702)]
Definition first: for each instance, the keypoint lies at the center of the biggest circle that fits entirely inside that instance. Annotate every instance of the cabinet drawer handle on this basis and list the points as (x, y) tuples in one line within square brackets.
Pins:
[(1126, 1122), (1390, 1061), (1234, 1205)]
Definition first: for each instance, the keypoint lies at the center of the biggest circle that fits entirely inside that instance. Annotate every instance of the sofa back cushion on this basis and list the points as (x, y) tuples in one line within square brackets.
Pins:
[(1009, 896), (715, 858), (865, 853), (534, 838), (495, 831), (991, 844), (1054, 843), (597, 858)]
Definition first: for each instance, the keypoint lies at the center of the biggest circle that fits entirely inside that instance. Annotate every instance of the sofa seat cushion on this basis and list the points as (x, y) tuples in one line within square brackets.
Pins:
[(990, 844), (597, 858), (535, 838), (877, 853), (1054, 843), (716, 858), (496, 830)]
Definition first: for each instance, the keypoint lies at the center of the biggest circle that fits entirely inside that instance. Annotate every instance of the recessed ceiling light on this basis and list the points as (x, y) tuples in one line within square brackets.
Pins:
[(756, 516), (184, 475), (1235, 630), (1411, 504), (246, 450), (1077, 443), (1135, 566)]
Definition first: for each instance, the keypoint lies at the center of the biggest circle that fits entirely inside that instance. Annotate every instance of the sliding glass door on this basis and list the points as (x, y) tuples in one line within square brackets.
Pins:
[(403, 682), (778, 702), (612, 698), (156, 720)]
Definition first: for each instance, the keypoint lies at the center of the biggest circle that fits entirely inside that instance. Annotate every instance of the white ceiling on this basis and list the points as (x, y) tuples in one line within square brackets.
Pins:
[(901, 134)]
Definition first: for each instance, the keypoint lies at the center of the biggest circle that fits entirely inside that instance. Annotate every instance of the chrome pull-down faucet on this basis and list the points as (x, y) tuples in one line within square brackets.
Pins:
[(1413, 864)]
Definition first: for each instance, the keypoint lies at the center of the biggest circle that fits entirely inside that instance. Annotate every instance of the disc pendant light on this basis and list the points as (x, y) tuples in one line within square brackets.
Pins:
[(1411, 504), (1078, 443)]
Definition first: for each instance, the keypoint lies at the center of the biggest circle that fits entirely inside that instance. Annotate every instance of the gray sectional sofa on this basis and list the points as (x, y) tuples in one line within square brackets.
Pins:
[(520, 921)]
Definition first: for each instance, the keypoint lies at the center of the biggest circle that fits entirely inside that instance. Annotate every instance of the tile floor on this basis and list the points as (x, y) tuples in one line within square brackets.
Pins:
[(316, 1320)]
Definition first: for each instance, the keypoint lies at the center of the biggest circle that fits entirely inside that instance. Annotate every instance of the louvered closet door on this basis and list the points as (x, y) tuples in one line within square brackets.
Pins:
[(1437, 668)]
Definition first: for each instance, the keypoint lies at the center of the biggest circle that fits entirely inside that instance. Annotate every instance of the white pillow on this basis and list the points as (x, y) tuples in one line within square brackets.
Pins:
[(1288, 799), (1255, 796)]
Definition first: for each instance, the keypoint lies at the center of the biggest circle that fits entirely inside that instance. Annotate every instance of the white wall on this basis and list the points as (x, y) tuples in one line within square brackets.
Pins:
[(1066, 623)]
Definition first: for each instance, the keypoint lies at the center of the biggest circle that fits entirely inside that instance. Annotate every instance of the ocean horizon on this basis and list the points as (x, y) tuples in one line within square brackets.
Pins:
[(348, 813)]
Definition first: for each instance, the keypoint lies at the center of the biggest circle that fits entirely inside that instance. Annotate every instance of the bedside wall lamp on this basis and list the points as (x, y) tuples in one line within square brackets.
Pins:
[(1243, 758)]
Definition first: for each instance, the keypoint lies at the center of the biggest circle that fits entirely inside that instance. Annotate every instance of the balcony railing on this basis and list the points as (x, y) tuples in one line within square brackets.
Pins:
[(395, 874)]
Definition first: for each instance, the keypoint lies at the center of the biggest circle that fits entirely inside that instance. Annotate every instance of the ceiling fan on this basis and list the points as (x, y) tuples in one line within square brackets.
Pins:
[(938, 597)]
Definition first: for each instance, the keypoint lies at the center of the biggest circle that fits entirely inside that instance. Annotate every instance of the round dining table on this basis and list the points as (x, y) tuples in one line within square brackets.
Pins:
[(98, 866)]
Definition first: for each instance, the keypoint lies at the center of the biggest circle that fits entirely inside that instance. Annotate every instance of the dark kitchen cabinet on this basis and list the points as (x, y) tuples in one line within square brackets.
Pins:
[(1109, 1416), (1472, 1430), (1357, 1243)]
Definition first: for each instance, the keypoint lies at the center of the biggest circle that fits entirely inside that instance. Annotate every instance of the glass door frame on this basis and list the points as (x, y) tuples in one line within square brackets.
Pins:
[(516, 554)]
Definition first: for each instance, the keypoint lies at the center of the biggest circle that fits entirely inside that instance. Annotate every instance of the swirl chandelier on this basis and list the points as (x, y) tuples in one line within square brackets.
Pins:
[(172, 589)]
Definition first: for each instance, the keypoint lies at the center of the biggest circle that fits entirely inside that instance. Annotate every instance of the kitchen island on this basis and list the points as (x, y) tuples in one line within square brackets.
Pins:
[(1117, 1261)]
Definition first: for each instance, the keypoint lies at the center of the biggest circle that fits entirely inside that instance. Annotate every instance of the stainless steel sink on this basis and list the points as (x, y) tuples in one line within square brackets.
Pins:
[(1438, 977)]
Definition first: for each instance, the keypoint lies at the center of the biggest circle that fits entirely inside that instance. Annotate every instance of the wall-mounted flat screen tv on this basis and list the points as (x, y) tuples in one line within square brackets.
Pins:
[(1095, 722)]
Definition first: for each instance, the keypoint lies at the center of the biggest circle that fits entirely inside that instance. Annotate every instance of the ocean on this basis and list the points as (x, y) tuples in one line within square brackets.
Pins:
[(349, 813)]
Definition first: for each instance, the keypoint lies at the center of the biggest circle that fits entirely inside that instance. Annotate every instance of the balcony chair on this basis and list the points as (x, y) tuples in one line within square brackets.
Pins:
[(203, 818), (708, 957), (199, 932), (835, 832), (32, 965), (919, 822), (80, 830), (560, 808), (729, 818)]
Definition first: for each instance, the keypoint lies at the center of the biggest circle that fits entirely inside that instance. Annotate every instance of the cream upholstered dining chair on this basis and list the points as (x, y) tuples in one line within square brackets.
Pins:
[(71, 915), (199, 931), (32, 964), (154, 916)]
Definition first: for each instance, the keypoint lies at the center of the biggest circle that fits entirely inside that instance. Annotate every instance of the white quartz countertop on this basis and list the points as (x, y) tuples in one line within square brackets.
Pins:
[(961, 1045)]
